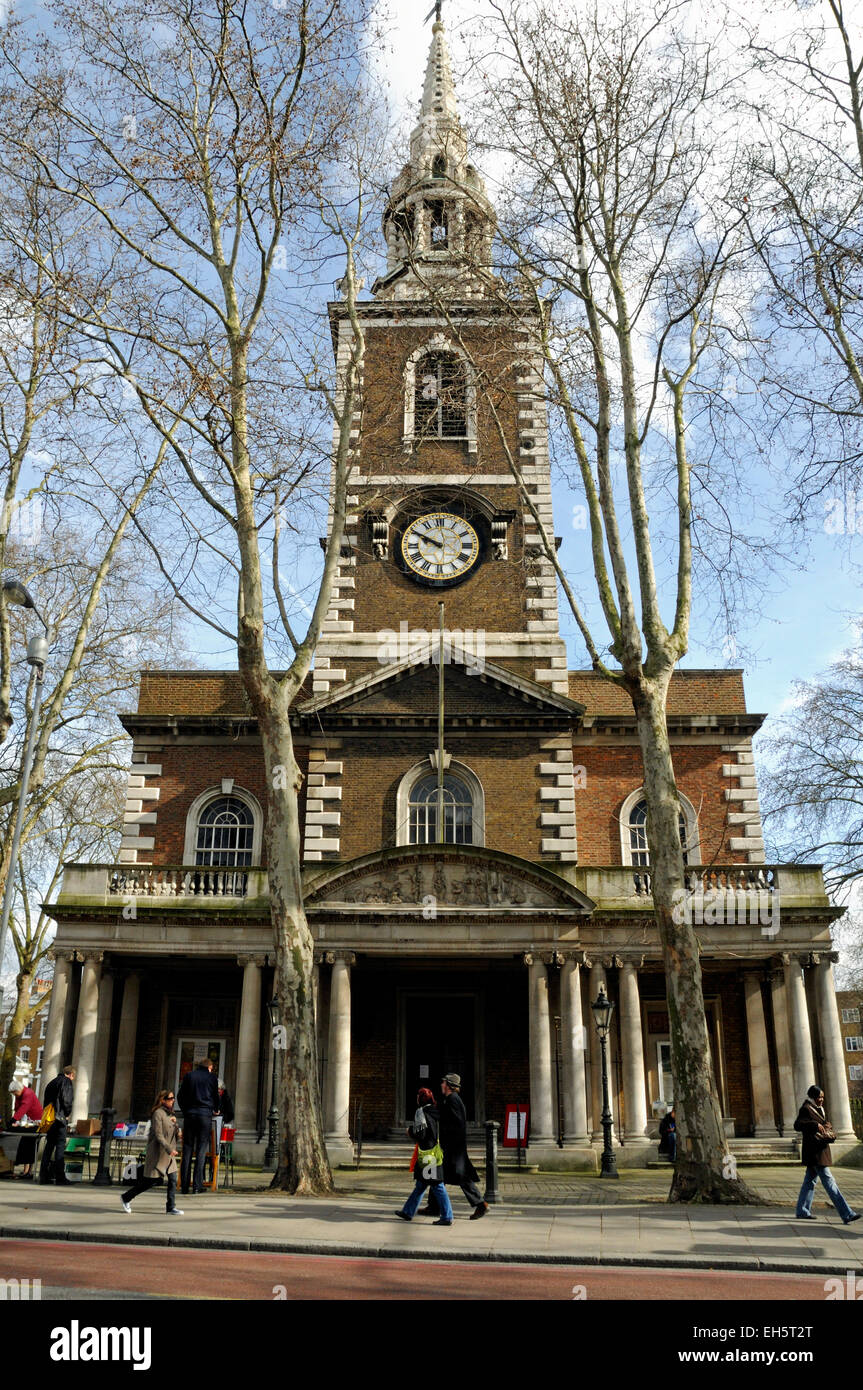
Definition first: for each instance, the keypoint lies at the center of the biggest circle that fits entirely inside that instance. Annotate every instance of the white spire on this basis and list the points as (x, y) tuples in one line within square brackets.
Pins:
[(438, 222), (439, 91)]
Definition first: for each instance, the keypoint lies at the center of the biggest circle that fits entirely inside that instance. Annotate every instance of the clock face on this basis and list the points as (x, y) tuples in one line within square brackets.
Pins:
[(440, 547)]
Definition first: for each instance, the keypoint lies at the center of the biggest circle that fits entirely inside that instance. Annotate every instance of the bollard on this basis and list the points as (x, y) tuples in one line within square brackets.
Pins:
[(103, 1167), (492, 1190)]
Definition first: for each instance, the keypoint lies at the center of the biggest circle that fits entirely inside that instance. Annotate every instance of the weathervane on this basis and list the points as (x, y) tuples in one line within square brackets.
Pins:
[(436, 12)]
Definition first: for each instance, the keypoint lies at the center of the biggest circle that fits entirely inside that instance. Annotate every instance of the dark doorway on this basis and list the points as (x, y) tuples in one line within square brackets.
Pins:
[(439, 1037)]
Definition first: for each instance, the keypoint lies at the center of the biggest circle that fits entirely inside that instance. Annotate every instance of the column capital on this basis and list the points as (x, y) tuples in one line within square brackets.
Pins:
[(68, 956), (528, 958), (330, 957), (255, 959), (554, 958), (86, 956), (635, 961)]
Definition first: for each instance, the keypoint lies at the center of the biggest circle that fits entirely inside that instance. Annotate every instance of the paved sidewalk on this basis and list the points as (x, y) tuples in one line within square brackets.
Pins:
[(543, 1219)]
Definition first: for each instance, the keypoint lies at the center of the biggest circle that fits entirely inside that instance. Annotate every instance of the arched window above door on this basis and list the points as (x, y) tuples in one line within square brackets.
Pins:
[(417, 803)]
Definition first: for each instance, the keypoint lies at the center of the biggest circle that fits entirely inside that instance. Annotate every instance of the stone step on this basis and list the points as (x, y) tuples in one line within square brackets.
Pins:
[(749, 1161), (396, 1157)]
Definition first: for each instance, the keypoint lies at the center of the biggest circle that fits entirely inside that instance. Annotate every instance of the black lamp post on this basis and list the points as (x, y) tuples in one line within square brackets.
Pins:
[(273, 1115), (602, 1011)]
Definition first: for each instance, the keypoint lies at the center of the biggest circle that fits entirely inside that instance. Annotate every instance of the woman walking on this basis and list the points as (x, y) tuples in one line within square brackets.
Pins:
[(161, 1160), (817, 1133), (428, 1168)]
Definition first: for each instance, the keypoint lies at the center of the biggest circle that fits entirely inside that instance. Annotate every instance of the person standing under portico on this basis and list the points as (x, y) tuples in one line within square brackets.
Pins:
[(198, 1098)]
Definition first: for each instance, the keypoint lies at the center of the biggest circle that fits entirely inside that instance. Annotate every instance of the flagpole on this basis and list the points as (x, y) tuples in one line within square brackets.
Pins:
[(441, 828)]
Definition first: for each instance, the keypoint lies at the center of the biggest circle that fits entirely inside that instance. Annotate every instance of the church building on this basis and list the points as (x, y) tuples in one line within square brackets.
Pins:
[(468, 933)]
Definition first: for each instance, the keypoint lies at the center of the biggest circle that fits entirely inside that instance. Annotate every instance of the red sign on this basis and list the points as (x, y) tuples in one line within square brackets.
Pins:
[(515, 1127)]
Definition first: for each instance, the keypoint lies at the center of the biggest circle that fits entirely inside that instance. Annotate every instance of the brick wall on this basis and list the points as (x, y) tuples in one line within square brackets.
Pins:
[(507, 770), (690, 692), (188, 770), (613, 771)]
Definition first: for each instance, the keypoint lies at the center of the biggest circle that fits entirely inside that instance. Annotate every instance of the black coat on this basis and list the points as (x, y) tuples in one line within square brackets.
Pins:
[(199, 1092), (226, 1106), (59, 1093), (666, 1126), (457, 1167), (816, 1148)]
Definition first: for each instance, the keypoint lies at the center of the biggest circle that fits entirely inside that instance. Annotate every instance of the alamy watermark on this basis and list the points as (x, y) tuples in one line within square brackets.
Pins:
[(20, 1290), (717, 908), (416, 644)]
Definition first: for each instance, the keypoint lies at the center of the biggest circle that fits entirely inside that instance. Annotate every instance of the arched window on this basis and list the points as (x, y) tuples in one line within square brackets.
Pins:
[(440, 397), (416, 806), (439, 166), (457, 807), (633, 831), (225, 834)]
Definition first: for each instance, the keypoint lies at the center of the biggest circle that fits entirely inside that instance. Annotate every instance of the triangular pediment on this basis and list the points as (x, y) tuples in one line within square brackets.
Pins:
[(405, 686), (452, 878)]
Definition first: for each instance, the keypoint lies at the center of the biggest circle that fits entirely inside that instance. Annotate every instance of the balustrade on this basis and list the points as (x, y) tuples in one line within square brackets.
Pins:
[(157, 881), (701, 880)]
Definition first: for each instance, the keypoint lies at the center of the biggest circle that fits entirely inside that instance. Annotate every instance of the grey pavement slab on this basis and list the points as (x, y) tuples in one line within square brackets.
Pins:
[(563, 1221)]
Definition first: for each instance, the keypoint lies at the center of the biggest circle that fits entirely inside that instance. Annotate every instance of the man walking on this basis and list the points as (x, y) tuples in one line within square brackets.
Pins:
[(60, 1094), (457, 1167), (198, 1097), (817, 1133)]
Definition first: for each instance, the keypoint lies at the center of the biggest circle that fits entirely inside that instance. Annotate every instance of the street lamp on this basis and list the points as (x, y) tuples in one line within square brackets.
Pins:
[(602, 1011), (37, 655), (273, 1116)]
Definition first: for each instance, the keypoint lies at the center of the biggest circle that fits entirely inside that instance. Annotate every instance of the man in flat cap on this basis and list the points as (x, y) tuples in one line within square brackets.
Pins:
[(457, 1167)]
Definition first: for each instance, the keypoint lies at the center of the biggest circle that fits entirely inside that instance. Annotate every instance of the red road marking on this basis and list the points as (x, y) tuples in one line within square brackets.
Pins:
[(233, 1274)]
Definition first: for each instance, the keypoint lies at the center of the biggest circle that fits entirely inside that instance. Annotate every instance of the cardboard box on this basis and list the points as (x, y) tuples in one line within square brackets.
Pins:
[(88, 1127)]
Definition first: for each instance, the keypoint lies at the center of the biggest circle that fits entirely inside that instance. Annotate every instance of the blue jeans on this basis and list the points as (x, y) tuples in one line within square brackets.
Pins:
[(804, 1201), (440, 1192)]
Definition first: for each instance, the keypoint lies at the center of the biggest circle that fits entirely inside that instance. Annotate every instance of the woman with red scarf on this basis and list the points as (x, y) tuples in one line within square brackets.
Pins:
[(28, 1108)]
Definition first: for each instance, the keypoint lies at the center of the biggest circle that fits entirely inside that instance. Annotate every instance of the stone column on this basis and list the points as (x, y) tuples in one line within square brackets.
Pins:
[(52, 1059), (541, 1122), (573, 1050), (598, 979), (759, 1060), (632, 1048), (248, 1045), (103, 1037), (84, 1047), (835, 1079), (783, 1052), (337, 1118), (124, 1066), (798, 1027)]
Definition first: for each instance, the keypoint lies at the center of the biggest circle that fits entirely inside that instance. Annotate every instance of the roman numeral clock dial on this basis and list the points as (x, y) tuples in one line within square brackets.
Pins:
[(439, 548)]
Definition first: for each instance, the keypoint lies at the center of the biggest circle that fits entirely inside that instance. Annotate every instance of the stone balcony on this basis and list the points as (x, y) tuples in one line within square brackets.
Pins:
[(162, 884), (745, 885), (609, 886)]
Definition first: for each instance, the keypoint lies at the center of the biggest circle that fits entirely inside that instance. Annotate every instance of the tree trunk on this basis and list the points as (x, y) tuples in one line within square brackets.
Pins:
[(705, 1169), (302, 1164), (17, 1023)]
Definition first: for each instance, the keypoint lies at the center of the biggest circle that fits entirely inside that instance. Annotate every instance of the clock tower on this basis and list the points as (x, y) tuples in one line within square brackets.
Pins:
[(452, 397)]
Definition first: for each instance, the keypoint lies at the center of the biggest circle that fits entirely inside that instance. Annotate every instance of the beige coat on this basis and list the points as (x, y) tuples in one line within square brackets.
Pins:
[(161, 1144)]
